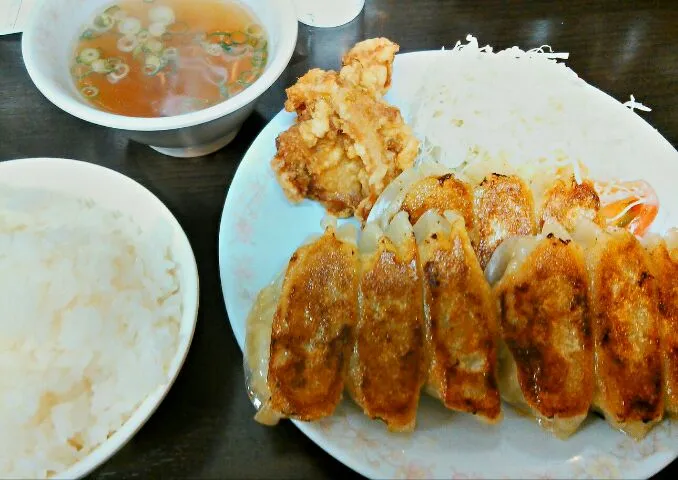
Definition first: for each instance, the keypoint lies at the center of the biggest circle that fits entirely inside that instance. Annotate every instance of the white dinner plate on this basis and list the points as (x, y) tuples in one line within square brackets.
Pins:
[(116, 192), (259, 231)]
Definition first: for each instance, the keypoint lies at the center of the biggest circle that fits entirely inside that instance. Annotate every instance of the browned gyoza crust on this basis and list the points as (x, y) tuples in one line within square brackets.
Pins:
[(667, 275), (566, 201), (504, 208), (545, 325), (387, 368), (461, 325), (311, 329), (441, 193), (624, 299)]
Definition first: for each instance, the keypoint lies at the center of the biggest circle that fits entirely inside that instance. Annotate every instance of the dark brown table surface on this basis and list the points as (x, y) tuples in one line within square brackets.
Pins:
[(204, 428)]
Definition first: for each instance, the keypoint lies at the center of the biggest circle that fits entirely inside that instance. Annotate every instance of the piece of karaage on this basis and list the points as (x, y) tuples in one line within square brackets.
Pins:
[(347, 143)]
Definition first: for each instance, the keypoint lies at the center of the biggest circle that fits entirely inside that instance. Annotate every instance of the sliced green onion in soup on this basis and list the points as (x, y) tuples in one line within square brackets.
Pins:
[(259, 59), (129, 26), (258, 43), (254, 30), (161, 14), (118, 73), (153, 45), (143, 36), (88, 34), (88, 55), (157, 29), (100, 65), (127, 43), (80, 71), (138, 51), (112, 10), (103, 22), (114, 62), (89, 91), (152, 65)]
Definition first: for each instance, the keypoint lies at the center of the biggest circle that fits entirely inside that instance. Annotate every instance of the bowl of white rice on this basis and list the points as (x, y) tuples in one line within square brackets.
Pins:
[(98, 304)]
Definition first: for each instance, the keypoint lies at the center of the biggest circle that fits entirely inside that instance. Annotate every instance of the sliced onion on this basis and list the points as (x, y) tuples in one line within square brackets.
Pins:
[(157, 29), (89, 91), (120, 72), (161, 14), (127, 43), (89, 55), (129, 26)]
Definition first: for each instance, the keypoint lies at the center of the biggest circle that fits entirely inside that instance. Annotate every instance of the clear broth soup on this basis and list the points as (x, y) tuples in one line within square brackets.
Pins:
[(158, 58)]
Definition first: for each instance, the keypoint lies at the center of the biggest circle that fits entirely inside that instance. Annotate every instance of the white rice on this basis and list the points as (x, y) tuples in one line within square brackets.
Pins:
[(89, 323), (525, 109)]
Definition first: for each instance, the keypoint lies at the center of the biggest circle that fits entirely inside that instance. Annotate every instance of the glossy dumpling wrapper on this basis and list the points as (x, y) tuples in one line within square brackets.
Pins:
[(440, 193), (504, 208), (299, 329), (461, 323), (625, 320), (664, 255), (386, 368), (566, 201), (412, 188), (546, 348)]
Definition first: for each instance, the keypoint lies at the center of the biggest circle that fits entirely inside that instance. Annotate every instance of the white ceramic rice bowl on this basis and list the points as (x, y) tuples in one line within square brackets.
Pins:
[(115, 191)]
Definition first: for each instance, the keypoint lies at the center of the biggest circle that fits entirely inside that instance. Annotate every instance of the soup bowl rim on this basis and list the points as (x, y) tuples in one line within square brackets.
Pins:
[(279, 57)]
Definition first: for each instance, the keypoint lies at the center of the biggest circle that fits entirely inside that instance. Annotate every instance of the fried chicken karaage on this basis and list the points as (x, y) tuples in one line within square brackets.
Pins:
[(348, 143)]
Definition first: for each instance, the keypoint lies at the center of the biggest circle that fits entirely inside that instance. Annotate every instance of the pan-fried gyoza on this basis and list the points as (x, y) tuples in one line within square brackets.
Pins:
[(546, 347), (386, 367), (571, 313), (461, 324)]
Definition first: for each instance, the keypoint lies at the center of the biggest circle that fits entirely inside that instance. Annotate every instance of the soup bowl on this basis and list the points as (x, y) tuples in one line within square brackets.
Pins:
[(49, 41)]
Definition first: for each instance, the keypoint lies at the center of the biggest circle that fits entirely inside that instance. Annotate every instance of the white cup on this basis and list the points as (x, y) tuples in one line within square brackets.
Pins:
[(327, 13)]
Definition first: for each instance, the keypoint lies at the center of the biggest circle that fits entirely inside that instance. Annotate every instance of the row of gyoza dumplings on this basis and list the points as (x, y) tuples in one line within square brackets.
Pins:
[(562, 326)]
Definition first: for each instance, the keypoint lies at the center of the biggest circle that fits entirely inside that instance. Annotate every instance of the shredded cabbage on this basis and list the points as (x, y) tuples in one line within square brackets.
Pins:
[(524, 108)]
